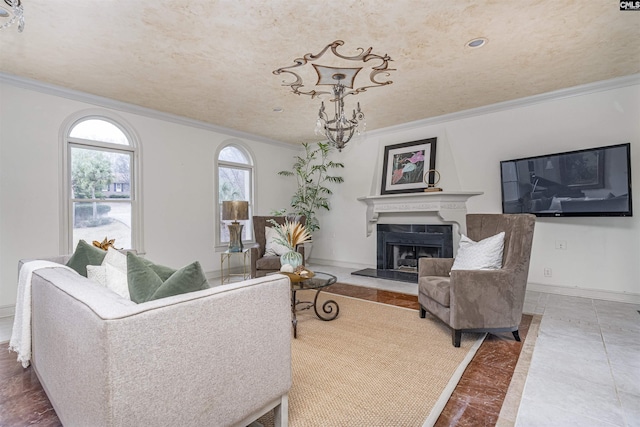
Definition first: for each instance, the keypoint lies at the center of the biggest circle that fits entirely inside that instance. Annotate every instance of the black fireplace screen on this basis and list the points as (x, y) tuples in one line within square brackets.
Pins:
[(400, 246)]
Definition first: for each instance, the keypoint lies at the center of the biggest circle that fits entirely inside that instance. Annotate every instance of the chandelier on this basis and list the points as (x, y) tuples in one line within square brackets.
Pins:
[(10, 12), (339, 129)]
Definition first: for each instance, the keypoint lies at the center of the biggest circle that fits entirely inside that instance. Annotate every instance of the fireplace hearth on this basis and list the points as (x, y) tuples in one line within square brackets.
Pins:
[(400, 246)]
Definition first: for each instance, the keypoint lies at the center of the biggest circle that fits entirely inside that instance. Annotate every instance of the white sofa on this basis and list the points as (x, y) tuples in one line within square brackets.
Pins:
[(217, 357)]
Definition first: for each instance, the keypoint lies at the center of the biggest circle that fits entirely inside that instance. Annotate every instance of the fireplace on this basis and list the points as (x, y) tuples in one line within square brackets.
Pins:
[(399, 246)]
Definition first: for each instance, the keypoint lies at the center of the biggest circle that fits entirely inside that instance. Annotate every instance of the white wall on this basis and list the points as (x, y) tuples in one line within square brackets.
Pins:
[(603, 254), (177, 182)]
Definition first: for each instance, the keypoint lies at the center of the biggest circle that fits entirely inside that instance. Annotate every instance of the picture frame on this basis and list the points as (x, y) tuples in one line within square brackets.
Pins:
[(406, 164)]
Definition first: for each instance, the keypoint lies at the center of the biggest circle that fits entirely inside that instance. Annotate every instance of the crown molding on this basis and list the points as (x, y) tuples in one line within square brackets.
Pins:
[(47, 88), (603, 85), (74, 95)]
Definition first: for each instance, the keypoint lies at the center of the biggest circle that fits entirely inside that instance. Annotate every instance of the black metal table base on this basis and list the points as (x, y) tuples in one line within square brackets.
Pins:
[(327, 313)]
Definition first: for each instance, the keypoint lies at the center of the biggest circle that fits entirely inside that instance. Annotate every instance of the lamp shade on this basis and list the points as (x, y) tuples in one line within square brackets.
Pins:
[(236, 210)]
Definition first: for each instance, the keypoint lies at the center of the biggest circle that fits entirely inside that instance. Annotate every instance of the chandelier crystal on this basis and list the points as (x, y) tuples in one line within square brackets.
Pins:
[(339, 129), (10, 12)]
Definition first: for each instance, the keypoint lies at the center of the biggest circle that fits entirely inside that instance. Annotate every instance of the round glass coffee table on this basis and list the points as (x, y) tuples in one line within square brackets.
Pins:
[(317, 282)]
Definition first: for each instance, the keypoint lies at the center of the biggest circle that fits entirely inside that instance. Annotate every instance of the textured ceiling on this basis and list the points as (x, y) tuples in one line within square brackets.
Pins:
[(213, 60)]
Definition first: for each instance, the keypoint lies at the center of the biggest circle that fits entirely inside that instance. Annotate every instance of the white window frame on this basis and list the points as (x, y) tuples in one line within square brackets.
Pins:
[(251, 168), (133, 149)]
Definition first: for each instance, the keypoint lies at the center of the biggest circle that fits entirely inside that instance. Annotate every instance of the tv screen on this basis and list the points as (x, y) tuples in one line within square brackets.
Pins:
[(592, 182)]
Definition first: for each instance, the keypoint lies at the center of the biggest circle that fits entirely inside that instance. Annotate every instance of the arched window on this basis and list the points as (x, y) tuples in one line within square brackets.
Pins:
[(101, 193), (235, 182)]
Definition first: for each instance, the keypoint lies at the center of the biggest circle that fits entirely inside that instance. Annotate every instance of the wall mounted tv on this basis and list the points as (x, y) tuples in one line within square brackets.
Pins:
[(592, 182)]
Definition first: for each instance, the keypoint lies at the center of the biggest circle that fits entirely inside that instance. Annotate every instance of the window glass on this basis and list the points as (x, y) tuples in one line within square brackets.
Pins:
[(235, 182), (233, 154), (99, 130), (100, 193)]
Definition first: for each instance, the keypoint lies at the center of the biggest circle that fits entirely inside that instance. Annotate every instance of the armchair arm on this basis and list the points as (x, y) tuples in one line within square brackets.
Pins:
[(486, 299), (434, 266)]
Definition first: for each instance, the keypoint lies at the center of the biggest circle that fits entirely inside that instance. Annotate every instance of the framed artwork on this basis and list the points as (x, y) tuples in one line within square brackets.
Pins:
[(406, 164)]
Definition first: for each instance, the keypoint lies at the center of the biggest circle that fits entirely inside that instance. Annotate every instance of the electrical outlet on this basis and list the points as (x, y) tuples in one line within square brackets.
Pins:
[(561, 244), (547, 272)]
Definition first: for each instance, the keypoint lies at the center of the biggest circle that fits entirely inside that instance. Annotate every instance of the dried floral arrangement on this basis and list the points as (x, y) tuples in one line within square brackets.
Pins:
[(291, 234)]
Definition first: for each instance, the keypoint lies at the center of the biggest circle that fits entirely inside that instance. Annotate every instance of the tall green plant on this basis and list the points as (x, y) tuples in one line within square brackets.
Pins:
[(312, 173)]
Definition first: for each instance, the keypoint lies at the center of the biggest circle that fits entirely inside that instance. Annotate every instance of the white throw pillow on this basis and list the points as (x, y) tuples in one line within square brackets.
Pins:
[(112, 273), (97, 273), (116, 259), (483, 255), (117, 281), (272, 247)]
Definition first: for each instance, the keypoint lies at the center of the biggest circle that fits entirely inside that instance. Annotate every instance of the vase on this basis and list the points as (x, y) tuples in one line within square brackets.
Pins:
[(292, 258)]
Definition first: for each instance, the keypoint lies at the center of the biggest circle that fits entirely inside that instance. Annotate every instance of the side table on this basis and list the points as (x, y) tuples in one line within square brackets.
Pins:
[(226, 256)]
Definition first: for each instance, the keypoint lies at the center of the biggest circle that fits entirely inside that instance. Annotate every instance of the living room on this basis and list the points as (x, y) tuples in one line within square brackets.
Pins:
[(179, 216)]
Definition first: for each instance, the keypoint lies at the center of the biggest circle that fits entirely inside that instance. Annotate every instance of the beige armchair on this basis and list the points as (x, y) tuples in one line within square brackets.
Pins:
[(480, 300), (261, 264)]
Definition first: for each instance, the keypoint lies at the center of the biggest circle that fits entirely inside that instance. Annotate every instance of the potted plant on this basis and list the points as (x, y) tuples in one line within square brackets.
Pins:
[(312, 172)]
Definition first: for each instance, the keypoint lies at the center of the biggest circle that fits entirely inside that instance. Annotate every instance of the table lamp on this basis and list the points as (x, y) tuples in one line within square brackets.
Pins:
[(233, 211)]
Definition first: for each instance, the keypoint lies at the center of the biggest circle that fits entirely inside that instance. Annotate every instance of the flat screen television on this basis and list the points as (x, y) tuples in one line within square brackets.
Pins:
[(591, 182)]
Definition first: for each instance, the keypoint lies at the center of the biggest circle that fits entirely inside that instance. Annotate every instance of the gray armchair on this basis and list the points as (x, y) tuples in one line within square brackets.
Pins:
[(480, 300), (261, 264)]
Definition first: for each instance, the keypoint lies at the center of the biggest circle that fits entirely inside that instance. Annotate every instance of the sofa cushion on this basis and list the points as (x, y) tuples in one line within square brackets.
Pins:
[(436, 288), (145, 284), (483, 255), (85, 254), (268, 263)]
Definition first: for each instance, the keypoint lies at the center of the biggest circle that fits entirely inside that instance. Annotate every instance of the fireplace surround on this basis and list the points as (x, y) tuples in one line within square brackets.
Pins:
[(399, 246), (449, 207)]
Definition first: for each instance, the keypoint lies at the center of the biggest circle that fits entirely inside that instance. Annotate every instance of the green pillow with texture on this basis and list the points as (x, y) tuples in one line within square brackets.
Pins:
[(163, 272), (147, 284), (85, 254)]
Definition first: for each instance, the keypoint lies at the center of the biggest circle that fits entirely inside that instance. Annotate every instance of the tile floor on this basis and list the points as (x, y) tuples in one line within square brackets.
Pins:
[(585, 368)]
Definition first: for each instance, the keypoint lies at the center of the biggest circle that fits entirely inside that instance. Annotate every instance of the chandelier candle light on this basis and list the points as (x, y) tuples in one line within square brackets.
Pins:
[(339, 129), (10, 12), (235, 211)]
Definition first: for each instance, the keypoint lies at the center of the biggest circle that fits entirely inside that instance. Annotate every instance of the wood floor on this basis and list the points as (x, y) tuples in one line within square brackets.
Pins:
[(476, 401)]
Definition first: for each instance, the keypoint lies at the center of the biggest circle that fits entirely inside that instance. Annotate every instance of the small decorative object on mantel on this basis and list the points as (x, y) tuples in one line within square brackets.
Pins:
[(105, 244), (431, 182), (405, 165)]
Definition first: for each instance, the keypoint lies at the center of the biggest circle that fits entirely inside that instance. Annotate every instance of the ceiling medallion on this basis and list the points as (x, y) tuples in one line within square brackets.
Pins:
[(10, 12), (344, 80)]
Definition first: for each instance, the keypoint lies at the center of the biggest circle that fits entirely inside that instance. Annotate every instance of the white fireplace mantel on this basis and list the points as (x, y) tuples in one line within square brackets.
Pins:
[(450, 206)]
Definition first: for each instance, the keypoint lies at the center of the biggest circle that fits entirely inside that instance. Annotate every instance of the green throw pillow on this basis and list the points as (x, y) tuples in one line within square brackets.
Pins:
[(85, 254), (163, 272), (148, 281)]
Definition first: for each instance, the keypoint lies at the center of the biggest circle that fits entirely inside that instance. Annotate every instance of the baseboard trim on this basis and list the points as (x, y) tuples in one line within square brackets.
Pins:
[(333, 263), (7, 310), (601, 294)]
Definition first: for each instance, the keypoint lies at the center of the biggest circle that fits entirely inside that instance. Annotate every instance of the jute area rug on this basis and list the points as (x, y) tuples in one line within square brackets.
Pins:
[(375, 365)]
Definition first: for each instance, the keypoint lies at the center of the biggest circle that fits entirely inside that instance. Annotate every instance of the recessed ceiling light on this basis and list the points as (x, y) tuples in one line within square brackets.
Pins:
[(476, 43), (278, 110), (3, 13)]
